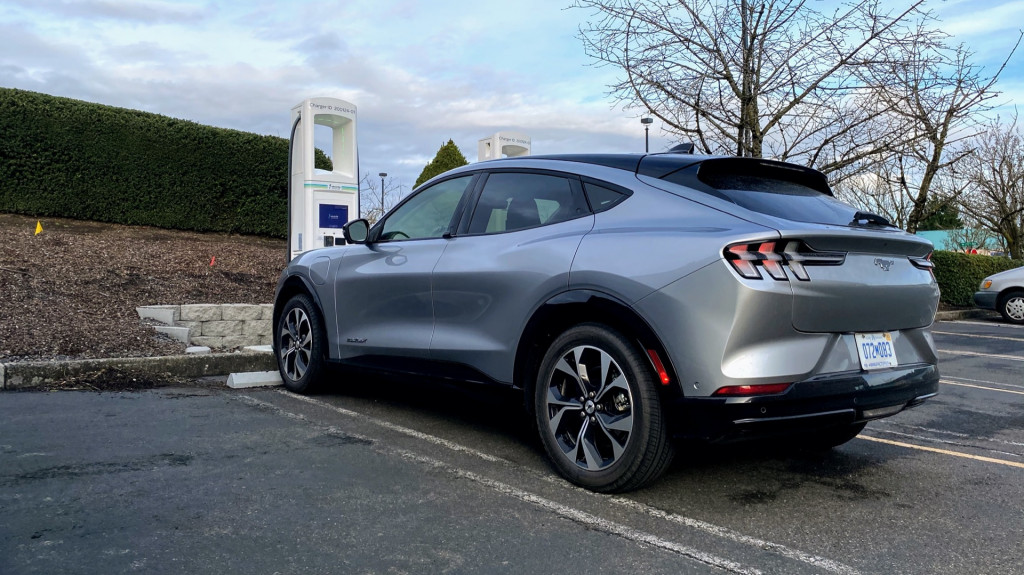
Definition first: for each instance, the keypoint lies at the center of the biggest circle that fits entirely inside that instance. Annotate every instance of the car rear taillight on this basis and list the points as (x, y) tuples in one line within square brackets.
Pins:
[(750, 390), (748, 259), (924, 263)]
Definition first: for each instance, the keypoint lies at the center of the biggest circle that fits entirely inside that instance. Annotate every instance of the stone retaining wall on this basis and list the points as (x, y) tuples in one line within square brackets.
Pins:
[(227, 326)]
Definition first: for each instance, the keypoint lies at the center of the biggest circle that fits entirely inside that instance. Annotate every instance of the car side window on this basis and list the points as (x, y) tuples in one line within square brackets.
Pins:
[(603, 197), (428, 214), (512, 201)]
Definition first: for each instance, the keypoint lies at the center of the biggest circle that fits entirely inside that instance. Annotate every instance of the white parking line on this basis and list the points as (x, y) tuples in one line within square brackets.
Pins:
[(586, 519), (981, 387), (709, 528), (963, 379), (819, 562), (954, 443), (987, 324), (964, 436), (403, 430), (581, 517), (980, 336), (977, 354)]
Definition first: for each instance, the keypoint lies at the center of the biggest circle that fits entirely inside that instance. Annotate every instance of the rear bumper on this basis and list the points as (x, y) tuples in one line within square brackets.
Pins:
[(985, 299), (816, 403)]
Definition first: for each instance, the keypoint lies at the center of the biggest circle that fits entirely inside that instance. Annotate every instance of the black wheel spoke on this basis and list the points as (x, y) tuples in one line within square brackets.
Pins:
[(296, 344), (591, 430)]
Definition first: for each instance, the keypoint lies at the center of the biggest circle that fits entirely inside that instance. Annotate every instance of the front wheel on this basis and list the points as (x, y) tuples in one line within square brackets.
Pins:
[(300, 344), (598, 412), (1011, 306)]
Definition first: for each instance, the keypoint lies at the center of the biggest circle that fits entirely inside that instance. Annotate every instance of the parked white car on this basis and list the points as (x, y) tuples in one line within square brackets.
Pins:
[(1003, 292)]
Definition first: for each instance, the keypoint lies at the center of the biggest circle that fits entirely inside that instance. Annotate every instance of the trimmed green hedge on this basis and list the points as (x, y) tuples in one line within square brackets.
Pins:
[(959, 274), (68, 158)]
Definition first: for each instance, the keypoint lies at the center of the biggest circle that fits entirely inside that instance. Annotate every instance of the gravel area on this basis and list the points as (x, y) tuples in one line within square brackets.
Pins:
[(71, 291)]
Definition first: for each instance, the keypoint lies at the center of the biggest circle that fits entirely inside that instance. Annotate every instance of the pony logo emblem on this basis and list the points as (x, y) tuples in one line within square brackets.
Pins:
[(884, 264)]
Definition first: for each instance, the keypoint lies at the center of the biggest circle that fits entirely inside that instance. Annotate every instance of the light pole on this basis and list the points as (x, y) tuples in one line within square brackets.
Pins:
[(647, 121), (382, 176)]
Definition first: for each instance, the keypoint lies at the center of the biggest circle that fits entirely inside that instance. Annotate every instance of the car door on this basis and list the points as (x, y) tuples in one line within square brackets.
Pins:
[(513, 252), (382, 288)]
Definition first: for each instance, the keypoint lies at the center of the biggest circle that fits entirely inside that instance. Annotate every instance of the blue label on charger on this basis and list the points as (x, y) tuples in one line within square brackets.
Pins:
[(332, 216)]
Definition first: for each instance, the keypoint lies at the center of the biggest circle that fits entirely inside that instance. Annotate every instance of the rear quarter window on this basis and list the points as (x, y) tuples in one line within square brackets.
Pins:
[(603, 196)]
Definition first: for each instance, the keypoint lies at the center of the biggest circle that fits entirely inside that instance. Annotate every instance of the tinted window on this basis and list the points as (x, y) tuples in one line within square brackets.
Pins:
[(792, 193), (428, 214), (511, 201), (602, 197)]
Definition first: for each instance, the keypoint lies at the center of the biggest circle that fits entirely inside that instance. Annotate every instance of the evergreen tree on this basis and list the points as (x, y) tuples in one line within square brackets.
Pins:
[(447, 158), (944, 216)]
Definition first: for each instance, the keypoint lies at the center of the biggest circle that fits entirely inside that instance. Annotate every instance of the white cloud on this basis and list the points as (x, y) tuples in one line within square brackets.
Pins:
[(420, 73), (965, 19), (140, 11)]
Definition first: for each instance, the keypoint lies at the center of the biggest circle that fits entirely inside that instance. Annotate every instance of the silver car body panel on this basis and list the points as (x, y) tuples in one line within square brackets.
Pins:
[(383, 297), (486, 287), (467, 298), (1002, 281)]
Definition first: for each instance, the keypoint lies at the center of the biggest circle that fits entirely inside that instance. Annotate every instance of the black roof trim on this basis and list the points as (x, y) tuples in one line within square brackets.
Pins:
[(628, 162), (661, 165)]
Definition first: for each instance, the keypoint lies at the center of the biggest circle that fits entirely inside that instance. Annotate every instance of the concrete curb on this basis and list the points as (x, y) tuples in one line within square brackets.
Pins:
[(29, 374), (966, 314)]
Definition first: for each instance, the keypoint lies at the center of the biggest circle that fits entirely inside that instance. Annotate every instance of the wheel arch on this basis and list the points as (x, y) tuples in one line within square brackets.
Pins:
[(1005, 292), (291, 286), (581, 306)]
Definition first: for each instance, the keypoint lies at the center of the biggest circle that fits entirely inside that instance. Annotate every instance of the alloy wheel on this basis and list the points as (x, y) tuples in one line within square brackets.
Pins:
[(589, 407), (296, 344)]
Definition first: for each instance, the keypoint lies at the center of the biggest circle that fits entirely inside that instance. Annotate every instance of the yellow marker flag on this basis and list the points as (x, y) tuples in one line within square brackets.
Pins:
[(39, 227)]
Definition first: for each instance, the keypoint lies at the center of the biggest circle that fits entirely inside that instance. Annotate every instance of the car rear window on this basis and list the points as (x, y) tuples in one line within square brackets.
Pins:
[(770, 188)]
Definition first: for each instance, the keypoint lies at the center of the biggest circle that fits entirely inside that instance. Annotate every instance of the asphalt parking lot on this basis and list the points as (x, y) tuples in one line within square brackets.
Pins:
[(399, 477)]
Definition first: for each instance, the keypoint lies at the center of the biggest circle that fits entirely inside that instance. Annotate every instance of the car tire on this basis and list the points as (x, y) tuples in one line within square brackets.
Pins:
[(825, 439), (598, 412), (1011, 306), (299, 342)]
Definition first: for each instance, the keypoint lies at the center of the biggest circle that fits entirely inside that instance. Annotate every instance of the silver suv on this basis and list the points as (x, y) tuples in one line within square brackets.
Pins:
[(632, 299)]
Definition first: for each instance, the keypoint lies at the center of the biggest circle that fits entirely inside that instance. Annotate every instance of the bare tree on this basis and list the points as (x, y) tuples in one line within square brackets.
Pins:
[(877, 192), (935, 99), (373, 203), (865, 94), (758, 78), (968, 239), (995, 198)]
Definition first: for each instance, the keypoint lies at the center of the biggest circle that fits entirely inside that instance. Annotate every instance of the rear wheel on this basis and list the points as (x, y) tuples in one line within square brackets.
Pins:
[(300, 344), (1011, 306), (598, 412)]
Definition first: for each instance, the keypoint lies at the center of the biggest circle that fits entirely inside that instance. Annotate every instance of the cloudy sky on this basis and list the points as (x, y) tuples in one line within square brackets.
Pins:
[(420, 72)]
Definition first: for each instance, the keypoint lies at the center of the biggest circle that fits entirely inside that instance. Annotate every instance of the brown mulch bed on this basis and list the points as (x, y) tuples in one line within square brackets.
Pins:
[(71, 291)]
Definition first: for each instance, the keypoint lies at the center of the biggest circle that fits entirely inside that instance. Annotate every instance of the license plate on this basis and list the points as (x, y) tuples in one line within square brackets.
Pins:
[(875, 350)]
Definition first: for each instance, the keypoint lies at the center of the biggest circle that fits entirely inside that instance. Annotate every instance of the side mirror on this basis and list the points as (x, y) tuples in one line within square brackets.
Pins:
[(356, 231)]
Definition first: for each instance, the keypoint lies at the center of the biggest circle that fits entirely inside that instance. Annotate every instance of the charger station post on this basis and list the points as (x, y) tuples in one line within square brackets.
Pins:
[(320, 202), (503, 145)]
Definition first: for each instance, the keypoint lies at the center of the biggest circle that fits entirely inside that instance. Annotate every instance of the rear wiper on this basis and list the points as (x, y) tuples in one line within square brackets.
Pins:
[(868, 218)]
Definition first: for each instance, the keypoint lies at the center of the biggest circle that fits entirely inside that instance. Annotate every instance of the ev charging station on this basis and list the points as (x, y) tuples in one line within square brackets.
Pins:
[(502, 145), (320, 202)]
